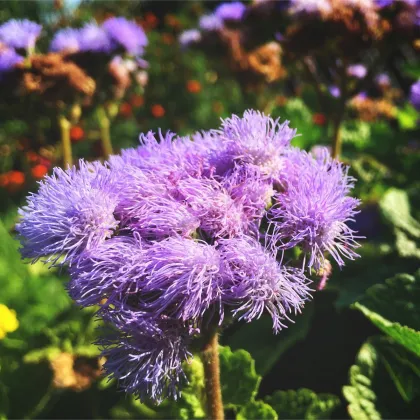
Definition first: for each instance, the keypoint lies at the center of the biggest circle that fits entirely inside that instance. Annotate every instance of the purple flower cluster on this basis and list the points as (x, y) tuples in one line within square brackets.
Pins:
[(182, 232), (415, 95), (114, 34)]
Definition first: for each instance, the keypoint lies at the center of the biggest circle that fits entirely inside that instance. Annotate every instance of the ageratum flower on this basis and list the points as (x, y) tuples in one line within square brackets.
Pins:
[(126, 34), (73, 210), (20, 33), (255, 140), (67, 40), (230, 11), (148, 366), (94, 39), (189, 37), (415, 95), (210, 23), (314, 207), (254, 282), (357, 70), (8, 60), (310, 7)]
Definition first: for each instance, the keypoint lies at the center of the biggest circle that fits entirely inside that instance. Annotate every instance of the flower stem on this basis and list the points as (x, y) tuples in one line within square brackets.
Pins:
[(213, 390), (104, 126), (336, 146), (64, 124)]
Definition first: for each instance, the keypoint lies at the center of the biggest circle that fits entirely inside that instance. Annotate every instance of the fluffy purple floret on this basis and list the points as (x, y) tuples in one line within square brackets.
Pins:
[(94, 39), (210, 23), (254, 282), (334, 91), (357, 70), (20, 33), (314, 208), (9, 59), (128, 34), (189, 37), (230, 11), (255, 140), (72, 211), (148, 366), (415, 95), (67, 39)]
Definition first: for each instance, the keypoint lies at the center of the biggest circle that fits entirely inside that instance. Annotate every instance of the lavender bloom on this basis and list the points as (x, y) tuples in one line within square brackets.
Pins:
[(334, 91), (20, 33), (94, 39), (383, 80), (310, 6), (313, 209), (8, 60), (127, 34), (189, 37), (67, 39), (415, 95), (357, 70), (254, 282), (255, 140), (149, 366), (210, 23), (230, 11), (73, 210)]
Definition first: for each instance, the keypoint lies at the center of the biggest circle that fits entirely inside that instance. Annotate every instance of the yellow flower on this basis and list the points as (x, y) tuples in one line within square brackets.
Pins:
[(8, 321)]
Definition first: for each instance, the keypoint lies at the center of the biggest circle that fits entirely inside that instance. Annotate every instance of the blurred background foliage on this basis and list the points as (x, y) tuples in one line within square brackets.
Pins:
[(355, 352)]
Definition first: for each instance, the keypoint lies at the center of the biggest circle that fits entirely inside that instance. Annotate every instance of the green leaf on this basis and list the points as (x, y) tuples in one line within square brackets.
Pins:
[(406, 246), (303, 404), (257, 410), (238, 377), (359, 394), (407, 117), (37, 356), (404, 335), (395, 208), (265, 347)]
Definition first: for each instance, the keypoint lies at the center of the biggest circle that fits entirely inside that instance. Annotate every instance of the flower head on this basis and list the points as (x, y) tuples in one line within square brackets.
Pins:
[(357, 70), (20, 33), (9, 59), (210, 23), (126, 34), (189, 37), (415, 95), (8, 321), (314, 207), (94, 39), (67, 40), (254, 282), (73, 210), (230, 11)]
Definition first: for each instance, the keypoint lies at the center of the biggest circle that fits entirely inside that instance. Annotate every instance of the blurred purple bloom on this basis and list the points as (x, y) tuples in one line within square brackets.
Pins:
[(230, 11), (94, 39), (72, 211), (148, 366), (383, 79), (309, 6), (189, 37), (357, 70), (415, 95), (127, 34), (254, 282), (67, 39), (334, 91), (210, 23), (314, 208), (20, 33), (9, 59)]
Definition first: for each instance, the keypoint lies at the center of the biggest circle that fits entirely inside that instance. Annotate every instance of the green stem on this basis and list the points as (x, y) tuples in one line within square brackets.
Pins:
[(64, 124), (210, 356), (104, 127), (336, 141), (42, 403)]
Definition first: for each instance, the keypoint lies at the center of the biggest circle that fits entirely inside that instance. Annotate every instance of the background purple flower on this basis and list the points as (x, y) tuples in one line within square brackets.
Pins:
[(94, 39), (230, 11), (67, 39), (127, 34), (357, 70), (415, 95), (8, 60), (210, 23), (189, 37), (20, 33)]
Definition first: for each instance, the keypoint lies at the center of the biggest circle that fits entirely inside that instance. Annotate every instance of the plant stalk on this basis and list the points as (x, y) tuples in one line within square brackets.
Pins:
[(336, 141), (104, 127), (210, 356), (64, 124)]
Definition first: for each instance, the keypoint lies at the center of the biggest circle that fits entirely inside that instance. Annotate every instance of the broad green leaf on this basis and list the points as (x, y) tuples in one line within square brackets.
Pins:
[(407, 247), (256, 410), (395, 208), (407, 337), (303, 404), (238, 377), (407, 117), (359, 394), (266, 347)]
